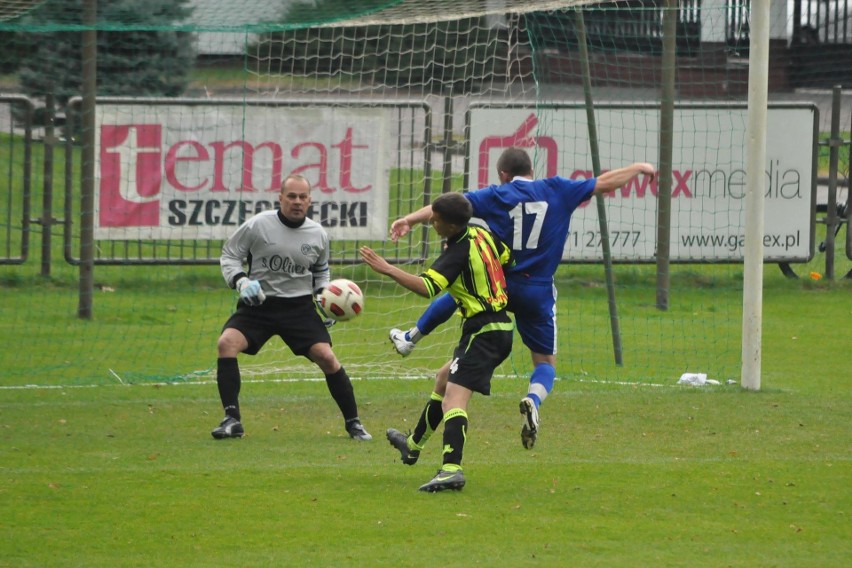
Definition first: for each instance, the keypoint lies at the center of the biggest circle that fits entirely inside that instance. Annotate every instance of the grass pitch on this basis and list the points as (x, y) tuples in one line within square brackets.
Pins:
[(128, 475), (97, 473)]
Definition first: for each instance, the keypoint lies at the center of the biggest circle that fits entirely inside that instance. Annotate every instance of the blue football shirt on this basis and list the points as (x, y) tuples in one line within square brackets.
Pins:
[(532, 217)]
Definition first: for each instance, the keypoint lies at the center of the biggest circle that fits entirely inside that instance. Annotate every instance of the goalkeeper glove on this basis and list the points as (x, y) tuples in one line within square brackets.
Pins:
[(327, 321), (250, 291)]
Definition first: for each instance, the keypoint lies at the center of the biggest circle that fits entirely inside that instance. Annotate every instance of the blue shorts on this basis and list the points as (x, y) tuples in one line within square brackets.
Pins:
[(534, 307)]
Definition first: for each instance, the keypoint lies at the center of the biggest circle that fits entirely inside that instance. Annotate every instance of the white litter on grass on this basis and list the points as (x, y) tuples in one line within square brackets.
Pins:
[(696, 380)]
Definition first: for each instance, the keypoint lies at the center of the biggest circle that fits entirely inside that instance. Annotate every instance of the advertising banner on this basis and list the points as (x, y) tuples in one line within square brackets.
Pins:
[(198, 172), (708, 177)]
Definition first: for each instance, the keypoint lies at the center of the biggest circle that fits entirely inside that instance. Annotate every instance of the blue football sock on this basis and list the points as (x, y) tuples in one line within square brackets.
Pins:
[(541, 383), (439, 311)]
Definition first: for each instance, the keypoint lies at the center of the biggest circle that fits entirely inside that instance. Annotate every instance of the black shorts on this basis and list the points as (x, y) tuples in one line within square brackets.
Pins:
[(295, 320), (478, 354)]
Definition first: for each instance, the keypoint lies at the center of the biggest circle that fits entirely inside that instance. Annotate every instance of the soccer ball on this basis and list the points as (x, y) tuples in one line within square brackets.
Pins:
[(342, 299)]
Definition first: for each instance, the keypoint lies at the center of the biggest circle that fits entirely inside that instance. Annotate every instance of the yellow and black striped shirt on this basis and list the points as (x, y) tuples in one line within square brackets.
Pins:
[(471, 270)]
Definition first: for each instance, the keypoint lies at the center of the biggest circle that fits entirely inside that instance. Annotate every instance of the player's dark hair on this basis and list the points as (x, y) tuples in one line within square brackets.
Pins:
[(515, 162), (453, 208)]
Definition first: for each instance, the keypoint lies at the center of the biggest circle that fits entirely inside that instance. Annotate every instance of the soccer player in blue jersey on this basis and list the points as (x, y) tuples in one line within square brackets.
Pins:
[(532, 217)]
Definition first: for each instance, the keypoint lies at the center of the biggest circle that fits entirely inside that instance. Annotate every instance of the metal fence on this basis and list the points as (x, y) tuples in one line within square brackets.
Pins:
[(630, 26), (15, 186), (411, 150), (809, 23)]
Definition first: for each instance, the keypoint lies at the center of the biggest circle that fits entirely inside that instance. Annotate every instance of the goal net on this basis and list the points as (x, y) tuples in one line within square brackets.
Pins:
[(383, 106)]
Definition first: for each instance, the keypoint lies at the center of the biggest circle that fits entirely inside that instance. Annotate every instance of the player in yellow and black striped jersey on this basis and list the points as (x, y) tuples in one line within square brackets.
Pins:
[(471, 270)]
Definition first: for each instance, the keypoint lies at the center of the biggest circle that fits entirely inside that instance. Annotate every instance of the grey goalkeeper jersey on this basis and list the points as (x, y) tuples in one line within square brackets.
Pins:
[(287, 261)]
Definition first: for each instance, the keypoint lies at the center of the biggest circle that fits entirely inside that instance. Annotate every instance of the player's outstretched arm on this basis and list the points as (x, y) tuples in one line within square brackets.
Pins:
[(401, 277), (401, 227), (613, 179)]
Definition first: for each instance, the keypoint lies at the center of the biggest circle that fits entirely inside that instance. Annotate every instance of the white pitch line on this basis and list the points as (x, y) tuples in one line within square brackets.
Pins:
[(305, 380)]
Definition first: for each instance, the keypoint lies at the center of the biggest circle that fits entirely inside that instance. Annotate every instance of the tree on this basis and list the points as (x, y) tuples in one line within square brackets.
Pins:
[(14, 47), (140, 53)]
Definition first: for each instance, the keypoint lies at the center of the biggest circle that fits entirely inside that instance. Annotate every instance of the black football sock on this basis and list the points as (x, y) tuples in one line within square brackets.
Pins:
[(228, 381), (341, 391), (429, 421), (455, 435)]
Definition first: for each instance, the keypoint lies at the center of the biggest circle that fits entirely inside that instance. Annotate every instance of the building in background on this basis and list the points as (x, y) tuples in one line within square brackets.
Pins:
[(230, 40)]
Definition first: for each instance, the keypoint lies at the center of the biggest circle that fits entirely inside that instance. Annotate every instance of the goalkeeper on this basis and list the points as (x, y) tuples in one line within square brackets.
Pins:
[(531, 216), (470, 270), (287, 258)]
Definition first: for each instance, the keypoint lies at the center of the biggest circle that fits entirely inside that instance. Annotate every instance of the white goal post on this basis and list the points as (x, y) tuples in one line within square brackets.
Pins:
[(758, 94)]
